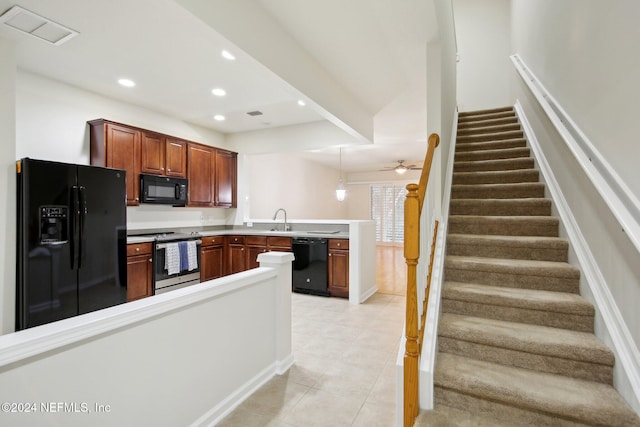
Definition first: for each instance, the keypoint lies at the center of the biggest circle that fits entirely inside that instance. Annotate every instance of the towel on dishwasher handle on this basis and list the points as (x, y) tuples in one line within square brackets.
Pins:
[(184, 256), (172, 258), (192, 255)]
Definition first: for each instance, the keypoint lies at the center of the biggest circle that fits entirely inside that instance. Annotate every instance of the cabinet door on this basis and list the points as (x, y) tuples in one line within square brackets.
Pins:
[(211, 262), (226, 177), (176, 158), (237, 260), (200, 159), (152, 154), (139, 277), (339, 273), (252, 255), (123, 152), (279, 244)]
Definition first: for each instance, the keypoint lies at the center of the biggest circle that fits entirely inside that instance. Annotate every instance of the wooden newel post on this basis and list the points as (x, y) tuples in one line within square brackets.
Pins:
[(411, 254)]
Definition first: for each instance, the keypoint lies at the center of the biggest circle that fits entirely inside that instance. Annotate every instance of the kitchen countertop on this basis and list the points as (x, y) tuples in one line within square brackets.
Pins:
[(327, 234)]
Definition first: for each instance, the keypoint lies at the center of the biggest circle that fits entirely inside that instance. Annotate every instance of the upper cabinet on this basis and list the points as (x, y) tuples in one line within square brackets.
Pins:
[(212, 172), (117, 146)]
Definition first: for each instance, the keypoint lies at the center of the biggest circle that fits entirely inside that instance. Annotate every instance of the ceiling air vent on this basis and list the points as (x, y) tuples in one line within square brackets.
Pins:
[(255, 113), (35, 25)]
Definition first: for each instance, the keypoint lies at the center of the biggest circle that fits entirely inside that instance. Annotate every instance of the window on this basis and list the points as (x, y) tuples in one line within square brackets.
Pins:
[(387, 210)]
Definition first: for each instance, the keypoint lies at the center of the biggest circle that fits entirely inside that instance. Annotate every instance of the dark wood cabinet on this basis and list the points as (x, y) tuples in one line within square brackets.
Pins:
[(152, 153), (175, 157), (236, 257), (338, 266), (255, 246), (226, 178), (139, 271), (211, 258), (117, 146), (201, 164)]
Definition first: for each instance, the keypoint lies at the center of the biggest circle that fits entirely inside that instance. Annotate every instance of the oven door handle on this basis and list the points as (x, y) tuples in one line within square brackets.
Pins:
[(164, 245)]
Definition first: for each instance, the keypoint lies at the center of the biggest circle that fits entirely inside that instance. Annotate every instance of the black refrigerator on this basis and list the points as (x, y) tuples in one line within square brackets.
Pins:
[(72, 233)]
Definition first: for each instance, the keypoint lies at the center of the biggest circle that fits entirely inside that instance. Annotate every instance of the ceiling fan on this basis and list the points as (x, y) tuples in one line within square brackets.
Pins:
[(401, 168)]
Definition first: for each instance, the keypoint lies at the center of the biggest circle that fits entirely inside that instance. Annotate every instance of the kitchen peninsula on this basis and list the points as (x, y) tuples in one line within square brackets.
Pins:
[(227, 250)]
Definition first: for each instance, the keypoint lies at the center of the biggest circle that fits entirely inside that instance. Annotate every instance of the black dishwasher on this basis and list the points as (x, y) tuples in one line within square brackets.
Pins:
[(309, 274)]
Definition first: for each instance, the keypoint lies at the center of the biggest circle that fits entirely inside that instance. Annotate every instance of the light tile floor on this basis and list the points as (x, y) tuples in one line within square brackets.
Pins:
[(344, 371)]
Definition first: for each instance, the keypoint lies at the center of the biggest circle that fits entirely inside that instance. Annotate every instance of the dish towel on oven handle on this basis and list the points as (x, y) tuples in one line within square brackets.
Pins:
[(172, 258), (192, 255)]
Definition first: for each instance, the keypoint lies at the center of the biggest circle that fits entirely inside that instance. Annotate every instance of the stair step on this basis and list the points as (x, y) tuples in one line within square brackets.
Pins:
[(527, 274), (488, 129), (490, 136), (540, 348), (503, 153), (494, 165), (532, 398), (487, 122), (519, 190), (504, 225), (465, 114), (491, 145), (510, 247), (531, 306), (501, 207), (496, 177), (481, 117)]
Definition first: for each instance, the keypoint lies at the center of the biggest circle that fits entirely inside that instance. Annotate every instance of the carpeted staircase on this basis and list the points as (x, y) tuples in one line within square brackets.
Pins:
[(516, 343)]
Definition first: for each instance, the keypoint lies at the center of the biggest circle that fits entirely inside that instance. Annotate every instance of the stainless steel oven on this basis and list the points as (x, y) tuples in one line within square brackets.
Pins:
[(170, 274)]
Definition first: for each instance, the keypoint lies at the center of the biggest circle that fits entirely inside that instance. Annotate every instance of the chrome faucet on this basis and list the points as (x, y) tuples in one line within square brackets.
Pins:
[(285, 218)]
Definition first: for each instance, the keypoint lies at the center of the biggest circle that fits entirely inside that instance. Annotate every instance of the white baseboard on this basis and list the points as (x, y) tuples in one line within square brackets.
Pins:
[(282, 366), (224, 408), (626, 352)]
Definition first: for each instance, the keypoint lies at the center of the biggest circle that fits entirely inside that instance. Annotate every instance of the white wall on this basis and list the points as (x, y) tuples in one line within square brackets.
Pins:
[(580, 52), (484, 46), (51, 124), (305, 189), (7, 184)]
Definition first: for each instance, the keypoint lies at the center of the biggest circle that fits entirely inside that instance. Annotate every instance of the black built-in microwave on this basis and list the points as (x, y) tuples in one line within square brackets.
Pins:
[(164, 190)]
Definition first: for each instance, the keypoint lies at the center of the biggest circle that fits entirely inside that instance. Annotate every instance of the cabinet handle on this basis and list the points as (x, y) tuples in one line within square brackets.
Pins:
[(168, 170), (242, 249), (150, 260), (137, 249), (161, 169), (329, 254)]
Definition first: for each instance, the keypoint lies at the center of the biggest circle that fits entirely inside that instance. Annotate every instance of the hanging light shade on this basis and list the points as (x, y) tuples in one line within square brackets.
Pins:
[(341, 192)]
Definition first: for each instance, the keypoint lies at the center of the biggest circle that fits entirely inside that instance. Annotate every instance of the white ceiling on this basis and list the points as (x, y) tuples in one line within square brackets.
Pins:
[(369, 56)]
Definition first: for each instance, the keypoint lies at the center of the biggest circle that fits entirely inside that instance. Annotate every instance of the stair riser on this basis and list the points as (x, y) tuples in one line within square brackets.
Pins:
[(495, 177), (489, 122), (505, 228), (498, 165), (509, 252), (520, 359), (500, 208), (479, 117), (574, 322), (489, 137), (482, 129), (491, 145), (512, 280), (501, 411), (533, 191), (476, 156)]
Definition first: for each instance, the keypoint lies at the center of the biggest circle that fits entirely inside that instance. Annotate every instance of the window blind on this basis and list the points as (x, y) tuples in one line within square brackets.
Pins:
[(387, 210)]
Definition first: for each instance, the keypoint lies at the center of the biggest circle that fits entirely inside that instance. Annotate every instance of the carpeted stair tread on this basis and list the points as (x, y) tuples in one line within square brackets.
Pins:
[(464, 114), (504, 225), (493, 165), (533, 306), (491, 145), (501, 207), (462, 118), (497, 177), (488, 122), (539, 248), (482, 155), (540, 394), (534, 339), (490, 136), (514, 190), (515, 266), (488, 129)]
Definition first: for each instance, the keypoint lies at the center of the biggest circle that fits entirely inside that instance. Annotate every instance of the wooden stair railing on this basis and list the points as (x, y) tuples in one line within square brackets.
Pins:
[(413, 330)]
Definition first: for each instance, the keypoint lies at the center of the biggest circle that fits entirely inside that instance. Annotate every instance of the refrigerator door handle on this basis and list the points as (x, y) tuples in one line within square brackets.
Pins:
[(82, 215), (74, 210)]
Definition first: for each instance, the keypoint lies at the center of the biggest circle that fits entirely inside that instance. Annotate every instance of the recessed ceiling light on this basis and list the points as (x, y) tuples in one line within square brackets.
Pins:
[(219, 118), (301, 103), (219, 92), (126, 82), (228, 55)]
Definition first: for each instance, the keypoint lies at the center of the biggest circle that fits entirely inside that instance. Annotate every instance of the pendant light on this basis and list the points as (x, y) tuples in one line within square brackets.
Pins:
[(340, 191)]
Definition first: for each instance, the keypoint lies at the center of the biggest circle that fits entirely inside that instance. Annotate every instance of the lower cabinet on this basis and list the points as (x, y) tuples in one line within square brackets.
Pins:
[(338, 266), (139, 271), (236, 258), (255, 245), (211, 258)]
